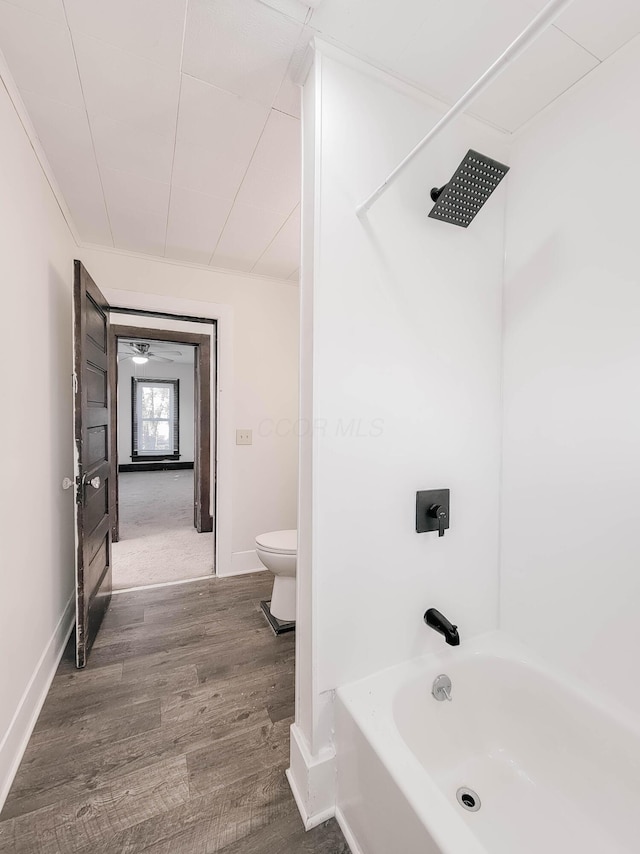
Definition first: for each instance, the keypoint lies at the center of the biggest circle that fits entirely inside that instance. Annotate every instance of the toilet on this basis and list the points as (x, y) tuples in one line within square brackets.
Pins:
[(278, 551)]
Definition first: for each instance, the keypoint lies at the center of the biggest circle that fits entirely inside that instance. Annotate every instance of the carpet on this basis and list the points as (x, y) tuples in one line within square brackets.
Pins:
[(157, 539)]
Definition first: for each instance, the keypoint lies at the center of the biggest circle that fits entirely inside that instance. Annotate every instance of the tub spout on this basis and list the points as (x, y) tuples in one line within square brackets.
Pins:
[(437, 621)]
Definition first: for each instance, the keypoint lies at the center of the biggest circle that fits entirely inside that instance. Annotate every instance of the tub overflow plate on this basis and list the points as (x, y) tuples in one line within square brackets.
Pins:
[(468, 799)]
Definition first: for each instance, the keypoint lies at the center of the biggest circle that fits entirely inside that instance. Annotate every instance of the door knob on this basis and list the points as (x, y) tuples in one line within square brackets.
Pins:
[(67, 483), (94, 482)]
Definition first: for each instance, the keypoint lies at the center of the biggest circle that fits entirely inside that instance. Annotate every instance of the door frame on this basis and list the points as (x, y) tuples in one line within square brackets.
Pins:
[(215, 317), (204, 472)]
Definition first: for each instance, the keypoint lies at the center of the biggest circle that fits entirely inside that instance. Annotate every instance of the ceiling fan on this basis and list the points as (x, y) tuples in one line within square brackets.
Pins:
[(140, 352)]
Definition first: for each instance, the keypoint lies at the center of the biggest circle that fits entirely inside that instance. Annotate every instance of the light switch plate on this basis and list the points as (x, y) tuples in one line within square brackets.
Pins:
[(244, 437)]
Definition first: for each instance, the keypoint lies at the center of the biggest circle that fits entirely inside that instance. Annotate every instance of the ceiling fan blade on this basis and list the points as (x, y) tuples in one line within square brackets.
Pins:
[(155, 358), (133, 347), (124, 358), (162, 345)]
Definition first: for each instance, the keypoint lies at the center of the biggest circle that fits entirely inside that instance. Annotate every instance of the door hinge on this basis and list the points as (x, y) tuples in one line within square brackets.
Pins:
[(75, 383)]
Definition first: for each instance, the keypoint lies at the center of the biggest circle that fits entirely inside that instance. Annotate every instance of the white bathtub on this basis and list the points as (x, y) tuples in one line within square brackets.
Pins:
[(555, 771)]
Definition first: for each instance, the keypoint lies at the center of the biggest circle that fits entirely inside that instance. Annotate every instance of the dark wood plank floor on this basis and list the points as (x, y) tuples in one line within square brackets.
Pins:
[(173, 740)]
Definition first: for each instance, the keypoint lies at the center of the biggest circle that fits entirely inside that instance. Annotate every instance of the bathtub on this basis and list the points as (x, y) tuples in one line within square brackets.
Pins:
[(554, 769)]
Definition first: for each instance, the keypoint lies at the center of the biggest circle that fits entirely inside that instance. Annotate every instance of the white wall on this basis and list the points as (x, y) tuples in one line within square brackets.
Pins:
[(406, 337), (36, 518), (182, 371), (570, 580), (264, 377)]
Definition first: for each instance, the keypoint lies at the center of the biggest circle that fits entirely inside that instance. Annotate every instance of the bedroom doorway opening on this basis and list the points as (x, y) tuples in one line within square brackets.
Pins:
[(162, 417)]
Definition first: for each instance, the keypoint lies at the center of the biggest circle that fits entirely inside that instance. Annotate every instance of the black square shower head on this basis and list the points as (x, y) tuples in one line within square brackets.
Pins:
[(473, 182)]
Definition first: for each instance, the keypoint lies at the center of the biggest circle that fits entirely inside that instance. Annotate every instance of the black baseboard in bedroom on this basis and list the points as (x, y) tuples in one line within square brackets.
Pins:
[(166, 466)]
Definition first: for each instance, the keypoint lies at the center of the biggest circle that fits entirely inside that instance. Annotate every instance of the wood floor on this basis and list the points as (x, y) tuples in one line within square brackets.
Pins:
[(173, 740)]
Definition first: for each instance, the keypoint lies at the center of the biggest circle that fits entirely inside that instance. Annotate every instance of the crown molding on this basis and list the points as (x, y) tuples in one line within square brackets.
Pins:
[(161, 259)]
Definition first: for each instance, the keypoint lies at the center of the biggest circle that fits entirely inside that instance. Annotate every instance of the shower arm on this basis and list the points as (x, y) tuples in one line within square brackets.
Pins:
[(538, 25)]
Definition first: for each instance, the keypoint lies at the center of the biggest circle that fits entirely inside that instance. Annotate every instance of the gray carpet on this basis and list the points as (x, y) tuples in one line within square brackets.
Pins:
[(157, 539)]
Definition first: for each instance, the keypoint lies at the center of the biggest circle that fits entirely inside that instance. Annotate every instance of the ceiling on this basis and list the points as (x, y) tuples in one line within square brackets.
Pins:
[(443, 47), (172, 126)]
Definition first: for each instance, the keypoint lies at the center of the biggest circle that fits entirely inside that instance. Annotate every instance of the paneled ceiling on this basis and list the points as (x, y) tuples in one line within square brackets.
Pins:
[(172, 126)]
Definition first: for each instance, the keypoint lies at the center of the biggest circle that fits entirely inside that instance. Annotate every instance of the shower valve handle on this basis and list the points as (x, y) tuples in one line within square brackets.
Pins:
[(440, 513)]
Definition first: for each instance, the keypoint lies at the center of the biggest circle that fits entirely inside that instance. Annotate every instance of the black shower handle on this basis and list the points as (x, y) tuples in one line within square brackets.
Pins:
[(439, 512)]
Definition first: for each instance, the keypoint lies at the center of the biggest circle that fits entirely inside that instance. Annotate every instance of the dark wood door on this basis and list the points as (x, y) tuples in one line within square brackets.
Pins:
[(92, 405)]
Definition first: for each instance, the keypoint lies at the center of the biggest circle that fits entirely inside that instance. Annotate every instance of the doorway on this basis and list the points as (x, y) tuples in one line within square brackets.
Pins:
[(162, 526)]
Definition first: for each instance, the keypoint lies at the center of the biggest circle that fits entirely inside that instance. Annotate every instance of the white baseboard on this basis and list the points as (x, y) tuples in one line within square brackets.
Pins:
[(312, 780), (14, 743), (243, 563), (348, 834)]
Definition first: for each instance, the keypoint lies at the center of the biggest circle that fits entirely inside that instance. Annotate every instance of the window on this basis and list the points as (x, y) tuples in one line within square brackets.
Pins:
[(154, 418)]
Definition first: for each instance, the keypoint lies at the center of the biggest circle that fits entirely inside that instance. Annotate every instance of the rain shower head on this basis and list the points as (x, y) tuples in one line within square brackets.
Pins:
[(473, 182)]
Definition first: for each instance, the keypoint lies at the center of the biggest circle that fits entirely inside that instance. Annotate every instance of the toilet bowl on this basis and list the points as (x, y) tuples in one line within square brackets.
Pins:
[(278, 551)]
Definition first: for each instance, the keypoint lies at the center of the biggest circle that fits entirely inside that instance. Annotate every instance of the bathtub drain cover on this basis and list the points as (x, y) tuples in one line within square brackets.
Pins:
[(468, 799)]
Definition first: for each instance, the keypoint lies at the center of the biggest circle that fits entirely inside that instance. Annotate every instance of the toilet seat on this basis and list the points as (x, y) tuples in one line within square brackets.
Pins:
[(279, 542)]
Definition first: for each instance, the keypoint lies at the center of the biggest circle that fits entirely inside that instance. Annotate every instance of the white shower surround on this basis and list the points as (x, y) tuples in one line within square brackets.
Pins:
[(353, 124), (571, 367)]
